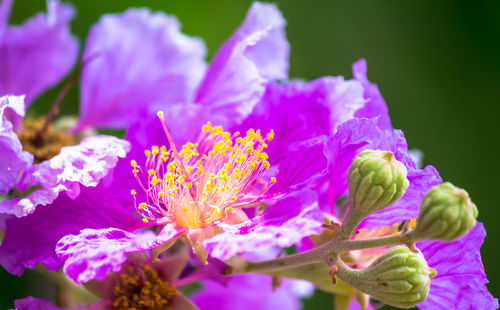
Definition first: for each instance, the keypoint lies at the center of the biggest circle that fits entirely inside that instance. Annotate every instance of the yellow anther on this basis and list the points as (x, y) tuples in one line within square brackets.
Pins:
[(189, 184), (171, 166), (159, 113), (270, 135), (142, 205), (145, 220), (233, 199), (266, 164), (135, 171), (133, 192), (161, 194), (155, 149), (151, 171), (198, 184), (133, 163), (229, 209), (236, 134), (273, 179), (147, 153)]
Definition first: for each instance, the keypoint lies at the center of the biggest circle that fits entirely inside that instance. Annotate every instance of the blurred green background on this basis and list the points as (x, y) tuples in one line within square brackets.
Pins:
[(436, 64)]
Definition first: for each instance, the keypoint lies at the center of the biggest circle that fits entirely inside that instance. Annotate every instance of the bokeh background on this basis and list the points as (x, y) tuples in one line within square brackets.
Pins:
[(436, 63)]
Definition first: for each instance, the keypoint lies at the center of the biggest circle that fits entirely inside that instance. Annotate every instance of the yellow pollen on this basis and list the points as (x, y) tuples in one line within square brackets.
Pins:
[(133, 163), (133, 192), (145, 220), (273, 179), (142, 205), (151, 171), (147, 153)]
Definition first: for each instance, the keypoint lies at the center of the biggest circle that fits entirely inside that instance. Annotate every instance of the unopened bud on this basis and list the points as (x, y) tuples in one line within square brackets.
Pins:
[(399, 278), (376, 180), (446, 213)]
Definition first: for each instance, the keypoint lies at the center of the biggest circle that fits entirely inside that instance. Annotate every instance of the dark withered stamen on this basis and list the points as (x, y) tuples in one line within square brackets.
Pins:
[(51, 143), (142, 290)]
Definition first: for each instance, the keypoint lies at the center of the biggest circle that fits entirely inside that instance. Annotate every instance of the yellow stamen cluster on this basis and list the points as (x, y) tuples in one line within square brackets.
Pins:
[(205, 180)]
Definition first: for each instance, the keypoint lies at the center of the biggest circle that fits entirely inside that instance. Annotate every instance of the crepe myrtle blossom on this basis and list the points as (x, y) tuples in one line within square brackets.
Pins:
[(301, 114), (105, 219)]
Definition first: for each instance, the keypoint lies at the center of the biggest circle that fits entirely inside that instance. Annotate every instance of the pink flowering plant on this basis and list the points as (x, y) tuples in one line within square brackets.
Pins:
[(230, 176)]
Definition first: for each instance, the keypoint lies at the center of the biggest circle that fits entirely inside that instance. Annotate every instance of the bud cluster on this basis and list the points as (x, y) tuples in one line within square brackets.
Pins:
[(401, 276)]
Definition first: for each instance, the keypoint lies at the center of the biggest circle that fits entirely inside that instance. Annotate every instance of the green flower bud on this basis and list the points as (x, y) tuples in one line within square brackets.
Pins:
[(446, 213), (376, 180), (399, 278)]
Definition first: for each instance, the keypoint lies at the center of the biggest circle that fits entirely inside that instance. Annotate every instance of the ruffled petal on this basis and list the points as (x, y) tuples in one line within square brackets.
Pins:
[(247, 292), (83, 164), (257, 52), (460, 282), (282, 225), (13, 160), (299, 111), (32, 239), (94, 252), (39, 53), (141, 58), (375, 106)]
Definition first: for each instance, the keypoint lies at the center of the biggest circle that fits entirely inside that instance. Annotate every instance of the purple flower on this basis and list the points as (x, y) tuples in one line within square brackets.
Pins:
[(90, 247), (37, 54), (74, 166)]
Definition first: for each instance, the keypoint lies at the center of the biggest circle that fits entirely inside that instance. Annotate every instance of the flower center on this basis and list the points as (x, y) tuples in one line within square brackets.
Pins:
[(142, 289), (205, 181), (46, 146)]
